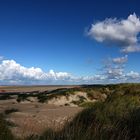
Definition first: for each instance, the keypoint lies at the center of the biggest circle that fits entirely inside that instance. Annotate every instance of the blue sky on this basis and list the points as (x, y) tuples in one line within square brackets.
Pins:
[(57, 37)]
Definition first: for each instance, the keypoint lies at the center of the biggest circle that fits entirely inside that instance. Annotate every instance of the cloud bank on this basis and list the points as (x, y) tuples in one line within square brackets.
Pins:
[(123, 33), (12, 73)]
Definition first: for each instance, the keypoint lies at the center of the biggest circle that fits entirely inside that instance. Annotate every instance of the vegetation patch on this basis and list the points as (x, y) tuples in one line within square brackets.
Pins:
[(9, 111), (5, 96), (115, 116), (5, 133)]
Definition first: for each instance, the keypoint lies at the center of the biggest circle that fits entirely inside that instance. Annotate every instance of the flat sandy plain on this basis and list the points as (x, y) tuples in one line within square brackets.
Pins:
[(35, 117), (33, 88)]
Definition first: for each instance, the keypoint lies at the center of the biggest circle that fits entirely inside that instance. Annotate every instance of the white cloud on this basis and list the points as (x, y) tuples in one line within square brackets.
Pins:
[(132, 48), (113, 73), (113, 69), (123, 33), (133, 75), (12, 72), (120, 60)]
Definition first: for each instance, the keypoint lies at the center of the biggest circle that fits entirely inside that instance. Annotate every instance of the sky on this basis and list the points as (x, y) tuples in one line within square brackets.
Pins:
[(69, 41)]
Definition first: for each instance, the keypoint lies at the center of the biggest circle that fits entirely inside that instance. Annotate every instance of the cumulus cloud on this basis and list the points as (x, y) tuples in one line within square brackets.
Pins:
[(12, 72), (123, 33), (120, 60)]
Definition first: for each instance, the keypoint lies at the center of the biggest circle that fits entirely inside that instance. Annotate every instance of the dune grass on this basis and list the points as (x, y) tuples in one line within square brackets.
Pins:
[(116, 118), (5, 133)]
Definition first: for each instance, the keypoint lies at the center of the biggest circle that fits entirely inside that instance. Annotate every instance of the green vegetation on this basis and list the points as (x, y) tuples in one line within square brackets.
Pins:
[(93, 92), (117, 118), (97, 93), (5, 96), (87, 104), (44, 97), (114, 117), (24, 96)]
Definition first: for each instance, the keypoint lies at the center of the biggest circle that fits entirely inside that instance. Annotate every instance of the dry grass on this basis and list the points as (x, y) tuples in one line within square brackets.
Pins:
[(115, 118)]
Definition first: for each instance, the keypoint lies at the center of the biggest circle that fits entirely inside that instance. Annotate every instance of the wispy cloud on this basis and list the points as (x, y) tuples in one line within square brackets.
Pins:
[(133, 75), (1, 58), (113, 69), (120, 60), (122, 33)]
